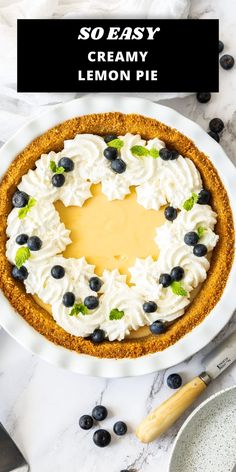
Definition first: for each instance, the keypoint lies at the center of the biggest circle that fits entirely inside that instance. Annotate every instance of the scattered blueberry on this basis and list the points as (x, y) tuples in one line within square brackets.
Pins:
[(118, 166), (165, 154), (204, 197), (102, 438), (227, 61), (157, 327), (203, 97), (68, 299), (109, 137), (174, 155), (58, 180), (86, 422), (57, 272), (124, 470), (22, 239), (170, 213), (200, 250), (149, 307), (165, 280), (221, 46), (177, 273), (19, 274), (20, 199), (91, 302), (110, 153), (214, 136), (98, 336), (216, 125), (191, 238), (34, 243), (67, 163), (120, 428), (99, 413), (174, 381), (95, 284)]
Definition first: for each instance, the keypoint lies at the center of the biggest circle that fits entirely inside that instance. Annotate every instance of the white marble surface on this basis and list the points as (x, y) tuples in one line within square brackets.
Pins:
[(40, 405)]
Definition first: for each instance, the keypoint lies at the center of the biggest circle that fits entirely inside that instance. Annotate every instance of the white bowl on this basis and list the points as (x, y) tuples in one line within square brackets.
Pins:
[(206, 441), (16, 326)]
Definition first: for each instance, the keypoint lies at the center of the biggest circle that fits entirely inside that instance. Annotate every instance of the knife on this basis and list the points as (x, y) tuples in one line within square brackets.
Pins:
[(165, 415), (11, 458)]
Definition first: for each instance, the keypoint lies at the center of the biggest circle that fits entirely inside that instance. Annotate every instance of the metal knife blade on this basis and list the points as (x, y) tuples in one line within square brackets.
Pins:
[(11, 458), (221, 357)]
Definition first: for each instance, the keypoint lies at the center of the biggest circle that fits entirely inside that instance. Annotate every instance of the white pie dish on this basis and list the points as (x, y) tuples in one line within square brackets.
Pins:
[(213, 323)]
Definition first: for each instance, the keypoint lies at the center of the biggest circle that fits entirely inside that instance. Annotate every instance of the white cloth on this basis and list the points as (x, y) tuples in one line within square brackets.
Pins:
[(17, 108)]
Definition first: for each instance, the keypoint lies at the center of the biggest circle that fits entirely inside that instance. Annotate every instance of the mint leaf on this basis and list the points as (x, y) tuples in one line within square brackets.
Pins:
[(188, 204), (79, 308), (53, 166), (154, 153), (201, 231), (116, 143), (60, 170), (22, 254), (139, 151), (23, 211), (31, 203), (116, 314), (177, 289)]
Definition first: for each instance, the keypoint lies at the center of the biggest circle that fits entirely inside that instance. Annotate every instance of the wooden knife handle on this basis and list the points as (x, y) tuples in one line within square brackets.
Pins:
[(165, 415)]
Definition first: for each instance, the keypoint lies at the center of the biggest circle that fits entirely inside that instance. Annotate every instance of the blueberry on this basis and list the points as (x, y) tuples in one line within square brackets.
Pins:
[(149, 307), (177, 273), (216, 125), (165, 280), (57, 272), (91, 302), (200, 250), (174, 155), (191, 238), (20, 199), (227, 61), (157, 327), (120, 428), (170, 213), (203, 97), (165, 154), (110, 153), (98, 336), (68, 299), (101, 438), (19, 274), (109, 137), (95, 284), (214, 136), (22, 239), (58, 180), (86, 422), (124, 470), (118, 166), (221, 46), (174, 381), (67, 163), (99, 413), (204, 197), (34, 243)]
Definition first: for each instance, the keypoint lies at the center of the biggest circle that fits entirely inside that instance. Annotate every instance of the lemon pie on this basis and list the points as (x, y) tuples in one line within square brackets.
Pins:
[(117, 235)]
